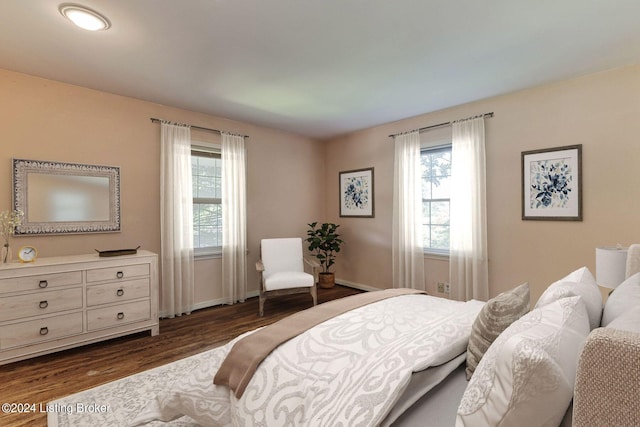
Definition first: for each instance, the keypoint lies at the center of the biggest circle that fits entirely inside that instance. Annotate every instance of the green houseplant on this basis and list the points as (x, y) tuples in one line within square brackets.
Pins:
[(324, 244)]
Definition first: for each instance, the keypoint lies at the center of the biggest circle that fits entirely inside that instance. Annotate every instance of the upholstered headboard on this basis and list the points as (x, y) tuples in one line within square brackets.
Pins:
[(608, 376)]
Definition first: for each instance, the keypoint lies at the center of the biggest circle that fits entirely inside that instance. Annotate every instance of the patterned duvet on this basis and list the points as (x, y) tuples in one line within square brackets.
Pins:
[(349, 370)]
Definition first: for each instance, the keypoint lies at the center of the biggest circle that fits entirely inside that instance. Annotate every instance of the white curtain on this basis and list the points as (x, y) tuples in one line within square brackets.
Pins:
[(234, 213), (407, 248), (176, 220), (468, 263)]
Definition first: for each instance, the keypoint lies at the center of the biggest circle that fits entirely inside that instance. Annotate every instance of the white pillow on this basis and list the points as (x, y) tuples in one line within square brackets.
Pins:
[(627, 321), (527, 375), (580, 283), (623, 298)]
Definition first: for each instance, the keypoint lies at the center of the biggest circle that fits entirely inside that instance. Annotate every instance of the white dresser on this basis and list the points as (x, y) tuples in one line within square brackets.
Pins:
[(62, 302)]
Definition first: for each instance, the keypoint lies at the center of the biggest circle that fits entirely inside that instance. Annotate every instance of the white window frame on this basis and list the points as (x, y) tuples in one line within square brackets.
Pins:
[(435, 139), (211, 251)]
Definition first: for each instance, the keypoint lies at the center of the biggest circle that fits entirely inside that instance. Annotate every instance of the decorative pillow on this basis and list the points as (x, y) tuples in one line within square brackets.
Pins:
[(580, 283), (627, 321), (528, 373), (623, 298), (495, 316), (633, 260)]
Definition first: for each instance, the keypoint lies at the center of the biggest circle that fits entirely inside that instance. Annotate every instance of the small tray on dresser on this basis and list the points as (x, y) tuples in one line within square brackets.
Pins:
[(118, 252)]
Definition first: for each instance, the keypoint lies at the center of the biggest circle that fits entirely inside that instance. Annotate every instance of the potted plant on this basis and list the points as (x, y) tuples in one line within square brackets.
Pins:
[(324, 244)]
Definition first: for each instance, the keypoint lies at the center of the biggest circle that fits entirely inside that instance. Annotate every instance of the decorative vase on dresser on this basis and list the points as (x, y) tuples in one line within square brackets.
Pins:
[(63, 302)]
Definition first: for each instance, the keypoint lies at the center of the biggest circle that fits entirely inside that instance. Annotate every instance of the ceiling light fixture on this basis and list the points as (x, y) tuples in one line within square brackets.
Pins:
[(84, 17)]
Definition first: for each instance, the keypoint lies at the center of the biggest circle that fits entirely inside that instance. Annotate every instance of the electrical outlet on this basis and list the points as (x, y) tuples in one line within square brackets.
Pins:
[(447, 288), (441, 287)]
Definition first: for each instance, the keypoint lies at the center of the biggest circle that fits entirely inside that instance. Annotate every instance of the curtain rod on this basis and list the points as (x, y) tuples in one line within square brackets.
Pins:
[(154, 120), (485, 115)]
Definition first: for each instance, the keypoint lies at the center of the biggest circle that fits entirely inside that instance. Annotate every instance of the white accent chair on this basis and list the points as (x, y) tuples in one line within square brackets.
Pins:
[(281, 269)]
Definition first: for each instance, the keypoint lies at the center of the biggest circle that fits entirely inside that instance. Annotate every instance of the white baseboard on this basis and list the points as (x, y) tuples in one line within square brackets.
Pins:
[(220, 301), (356, 285)]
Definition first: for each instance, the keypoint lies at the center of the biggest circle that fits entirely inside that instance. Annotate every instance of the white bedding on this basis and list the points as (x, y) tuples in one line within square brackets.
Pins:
[(425, 383), (438, 407), (349, 370)]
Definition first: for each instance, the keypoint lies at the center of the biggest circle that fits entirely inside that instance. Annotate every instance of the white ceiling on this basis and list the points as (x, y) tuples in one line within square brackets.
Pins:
[(320, 67)]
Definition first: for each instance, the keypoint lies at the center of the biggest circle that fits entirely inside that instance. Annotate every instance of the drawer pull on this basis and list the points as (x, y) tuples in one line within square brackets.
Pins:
[(119, 274), (120, 316), (120, 292), (43, 304), (44, 331), (43, 284)]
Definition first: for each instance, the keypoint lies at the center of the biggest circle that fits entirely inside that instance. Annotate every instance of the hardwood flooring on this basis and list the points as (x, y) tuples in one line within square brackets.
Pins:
[(46, 378)]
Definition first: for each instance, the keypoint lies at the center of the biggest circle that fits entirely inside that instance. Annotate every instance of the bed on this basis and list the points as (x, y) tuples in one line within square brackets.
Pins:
[(404, 360), (349, 370)]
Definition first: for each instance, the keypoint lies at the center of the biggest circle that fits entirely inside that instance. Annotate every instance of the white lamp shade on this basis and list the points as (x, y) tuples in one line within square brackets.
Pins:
[(611, 264)]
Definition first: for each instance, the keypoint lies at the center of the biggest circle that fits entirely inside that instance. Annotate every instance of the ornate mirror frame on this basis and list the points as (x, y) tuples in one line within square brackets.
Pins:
[(56, 172)]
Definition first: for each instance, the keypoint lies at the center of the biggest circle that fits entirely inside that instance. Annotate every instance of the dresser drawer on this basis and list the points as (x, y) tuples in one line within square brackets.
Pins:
[(106, 317), (117, 291), (117, 273), (40, 281), (36, 304), (35, 331), (71, 300)]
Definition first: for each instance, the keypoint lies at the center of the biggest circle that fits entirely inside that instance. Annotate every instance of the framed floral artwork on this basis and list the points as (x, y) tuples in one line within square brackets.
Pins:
[(356, 193), (552, 184)]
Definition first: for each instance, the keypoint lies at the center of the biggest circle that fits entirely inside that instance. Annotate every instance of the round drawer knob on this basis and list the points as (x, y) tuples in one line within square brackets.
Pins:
[(44, 331), (43, 304), (119, 274), (43, 284), (120, 292), (120, 316)]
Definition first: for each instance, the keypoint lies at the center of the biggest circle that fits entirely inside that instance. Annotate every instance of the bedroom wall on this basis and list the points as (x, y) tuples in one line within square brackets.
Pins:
[(599, 111), (49, 120)]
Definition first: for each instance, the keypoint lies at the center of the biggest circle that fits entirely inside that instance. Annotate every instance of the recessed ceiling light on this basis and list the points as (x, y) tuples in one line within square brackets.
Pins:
[(84, 17)]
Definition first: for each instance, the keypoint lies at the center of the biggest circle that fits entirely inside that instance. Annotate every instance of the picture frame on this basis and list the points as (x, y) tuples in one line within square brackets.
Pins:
[(357, 193), (552, 184)]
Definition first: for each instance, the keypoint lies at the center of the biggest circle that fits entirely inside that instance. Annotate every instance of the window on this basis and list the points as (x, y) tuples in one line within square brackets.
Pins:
[(436, 180), (206, 169)]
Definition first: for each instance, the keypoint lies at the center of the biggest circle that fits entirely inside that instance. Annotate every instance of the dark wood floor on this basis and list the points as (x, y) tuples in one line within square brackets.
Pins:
[(42, 379)]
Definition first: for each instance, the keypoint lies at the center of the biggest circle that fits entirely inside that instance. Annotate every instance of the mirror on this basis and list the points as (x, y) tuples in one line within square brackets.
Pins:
[(66, 197)]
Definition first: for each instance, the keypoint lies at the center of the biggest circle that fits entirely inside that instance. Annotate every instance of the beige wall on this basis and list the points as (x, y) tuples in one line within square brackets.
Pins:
[(599, 111), (48, 120), (294, 180)]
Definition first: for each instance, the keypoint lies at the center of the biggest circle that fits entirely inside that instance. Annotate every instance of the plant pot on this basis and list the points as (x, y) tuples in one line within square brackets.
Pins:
[(326, 280)]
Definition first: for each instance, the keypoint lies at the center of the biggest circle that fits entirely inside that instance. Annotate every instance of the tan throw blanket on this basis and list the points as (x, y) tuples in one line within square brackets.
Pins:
[(247, 354)]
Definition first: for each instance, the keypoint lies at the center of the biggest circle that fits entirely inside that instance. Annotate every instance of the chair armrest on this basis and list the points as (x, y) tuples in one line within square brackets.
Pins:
[(608, 379), (312, 262), (315, 268), (259, 265)]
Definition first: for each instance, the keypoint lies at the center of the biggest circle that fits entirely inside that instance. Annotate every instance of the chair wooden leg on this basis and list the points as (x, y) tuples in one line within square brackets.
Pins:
[(263, 297), (314, 294)]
